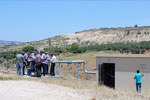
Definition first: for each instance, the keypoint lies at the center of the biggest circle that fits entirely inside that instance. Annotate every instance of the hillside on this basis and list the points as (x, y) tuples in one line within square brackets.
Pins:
[(110, 35), (93, 36), (4, 43)]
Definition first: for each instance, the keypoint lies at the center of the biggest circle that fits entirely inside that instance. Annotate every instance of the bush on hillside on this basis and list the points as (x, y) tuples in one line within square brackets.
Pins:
[(28, 49), (75, 48)]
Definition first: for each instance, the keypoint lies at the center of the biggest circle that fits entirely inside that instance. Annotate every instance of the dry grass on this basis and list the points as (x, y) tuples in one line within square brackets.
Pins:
[(86, 82), (90, 63), (98, 92), (88, 56)]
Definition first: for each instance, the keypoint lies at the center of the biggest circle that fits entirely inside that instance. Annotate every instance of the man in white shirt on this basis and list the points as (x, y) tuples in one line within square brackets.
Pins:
[(32, 60), (53, 61), (46, 63)]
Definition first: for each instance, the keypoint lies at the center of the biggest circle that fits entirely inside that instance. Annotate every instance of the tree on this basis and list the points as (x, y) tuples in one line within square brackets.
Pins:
[(133, 50), (45, 49), (135, 25), (75, 47), (58, 50), (28, 49), (142, 51), (137, 51)]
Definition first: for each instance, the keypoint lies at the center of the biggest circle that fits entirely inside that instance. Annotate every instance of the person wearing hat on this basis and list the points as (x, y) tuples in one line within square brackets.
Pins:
[(53, 61)]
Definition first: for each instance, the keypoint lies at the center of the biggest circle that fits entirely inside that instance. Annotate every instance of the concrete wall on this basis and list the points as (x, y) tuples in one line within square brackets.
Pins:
[(126, 80), (125, 68)]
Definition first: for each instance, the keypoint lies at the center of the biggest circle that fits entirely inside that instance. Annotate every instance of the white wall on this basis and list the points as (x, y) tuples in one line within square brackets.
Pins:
[(125, 68), (126, 80)]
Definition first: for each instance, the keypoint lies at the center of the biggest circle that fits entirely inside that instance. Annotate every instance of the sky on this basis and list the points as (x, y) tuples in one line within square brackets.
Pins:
[(33, 20)]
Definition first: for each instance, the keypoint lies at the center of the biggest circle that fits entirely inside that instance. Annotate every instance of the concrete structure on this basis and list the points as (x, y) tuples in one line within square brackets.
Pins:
[(117, 70)]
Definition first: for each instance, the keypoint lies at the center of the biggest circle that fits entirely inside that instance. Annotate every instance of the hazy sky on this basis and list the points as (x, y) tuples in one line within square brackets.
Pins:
[(30, 20)]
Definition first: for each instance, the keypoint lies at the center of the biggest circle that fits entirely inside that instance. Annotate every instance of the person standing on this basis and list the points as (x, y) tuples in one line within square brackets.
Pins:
[(53, 61), (38, 64), (46, 63), (138, 78), (19, 63), (32, 61), (26, 62), (42, 61)]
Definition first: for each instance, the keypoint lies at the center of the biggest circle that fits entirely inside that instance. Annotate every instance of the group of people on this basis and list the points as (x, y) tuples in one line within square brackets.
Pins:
[(37, 62)]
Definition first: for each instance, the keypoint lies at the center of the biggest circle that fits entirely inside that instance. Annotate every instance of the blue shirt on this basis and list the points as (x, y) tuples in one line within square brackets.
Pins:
[(25, 57), (138, 77)]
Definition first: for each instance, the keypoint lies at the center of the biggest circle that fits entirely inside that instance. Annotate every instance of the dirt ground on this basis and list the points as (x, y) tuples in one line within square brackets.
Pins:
[(13, 87), (28, 90)]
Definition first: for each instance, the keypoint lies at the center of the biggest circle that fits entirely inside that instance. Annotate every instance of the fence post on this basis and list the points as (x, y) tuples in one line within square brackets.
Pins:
[(68, 70), (8, 65), (56, 72), (3, 65), (78, 72), (59, 70)]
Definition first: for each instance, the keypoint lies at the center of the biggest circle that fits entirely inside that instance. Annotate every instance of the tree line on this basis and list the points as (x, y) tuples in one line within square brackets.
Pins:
[(134, 48)]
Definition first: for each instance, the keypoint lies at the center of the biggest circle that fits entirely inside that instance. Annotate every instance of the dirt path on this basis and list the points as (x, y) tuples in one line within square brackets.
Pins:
[(28, 90)]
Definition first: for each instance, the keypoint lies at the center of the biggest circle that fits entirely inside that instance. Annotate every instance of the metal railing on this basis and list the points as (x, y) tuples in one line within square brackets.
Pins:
[(5, 66), (66, 62), (74, 61)]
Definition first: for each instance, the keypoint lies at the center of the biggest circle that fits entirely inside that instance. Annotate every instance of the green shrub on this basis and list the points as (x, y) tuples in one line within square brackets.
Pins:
[(58, 50), (28, 49), (75, 48), (45, 49), (142, 51)]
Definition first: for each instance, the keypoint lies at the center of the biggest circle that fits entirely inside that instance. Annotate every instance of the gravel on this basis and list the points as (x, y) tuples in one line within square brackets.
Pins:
[(29, 90)]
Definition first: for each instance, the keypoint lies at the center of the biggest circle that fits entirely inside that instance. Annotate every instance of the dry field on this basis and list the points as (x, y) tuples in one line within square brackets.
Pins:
[(88, 57), (15, 87)]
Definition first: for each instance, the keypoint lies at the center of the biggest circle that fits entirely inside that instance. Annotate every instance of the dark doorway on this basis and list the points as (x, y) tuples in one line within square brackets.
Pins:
[(107, 74)]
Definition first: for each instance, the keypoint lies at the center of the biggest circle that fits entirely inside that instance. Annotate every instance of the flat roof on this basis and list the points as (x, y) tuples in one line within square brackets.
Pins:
[(122, 56)]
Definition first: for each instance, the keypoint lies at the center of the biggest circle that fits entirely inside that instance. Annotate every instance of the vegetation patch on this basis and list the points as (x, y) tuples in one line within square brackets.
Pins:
[(129, 47), (5, 78)]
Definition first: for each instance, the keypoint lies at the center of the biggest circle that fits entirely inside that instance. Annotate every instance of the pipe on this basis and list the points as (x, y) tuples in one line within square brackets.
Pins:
[(77, 61), (87, 72)]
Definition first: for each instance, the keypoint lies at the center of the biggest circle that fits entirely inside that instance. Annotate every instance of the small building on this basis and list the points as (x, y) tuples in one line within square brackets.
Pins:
[(118, 70)]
